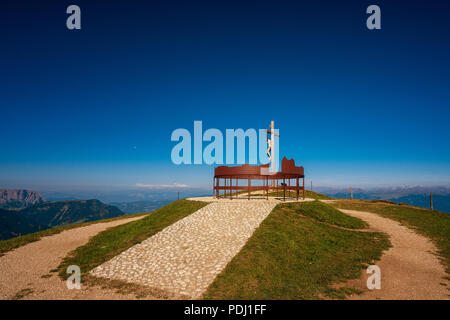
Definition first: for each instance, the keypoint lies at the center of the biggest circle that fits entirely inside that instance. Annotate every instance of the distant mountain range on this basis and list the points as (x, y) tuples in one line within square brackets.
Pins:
[(24, 211), (416, 195), (140, 206), (19, 198), (46, 215), (131, 200)]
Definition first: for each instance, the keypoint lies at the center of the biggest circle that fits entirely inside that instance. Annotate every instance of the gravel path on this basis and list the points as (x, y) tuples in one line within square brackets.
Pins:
[(22, 268), (186, 257), (410, 269)]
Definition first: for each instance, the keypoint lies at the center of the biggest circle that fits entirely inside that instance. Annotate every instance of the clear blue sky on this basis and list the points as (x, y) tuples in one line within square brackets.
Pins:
[(96, 107)]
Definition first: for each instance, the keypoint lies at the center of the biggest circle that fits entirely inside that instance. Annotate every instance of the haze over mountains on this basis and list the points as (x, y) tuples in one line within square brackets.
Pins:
[(130, 200), (134, 200), (124, 195), (413, 195), (25, 211)]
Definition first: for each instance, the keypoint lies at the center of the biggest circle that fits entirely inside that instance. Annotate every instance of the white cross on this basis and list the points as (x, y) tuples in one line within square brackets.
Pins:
[(271, 145)]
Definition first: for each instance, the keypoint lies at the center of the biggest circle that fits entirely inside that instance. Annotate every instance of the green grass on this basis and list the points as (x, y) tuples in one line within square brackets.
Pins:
[(325, 213), (432, 224), (16, 242), (308, 194), (294, 256), (113, 241)]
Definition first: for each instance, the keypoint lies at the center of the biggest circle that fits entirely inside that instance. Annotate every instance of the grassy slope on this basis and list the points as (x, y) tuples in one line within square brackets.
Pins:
[(113, 241), (13, 243), (308, 194), (432, 224), (325, 213), (293, 256)]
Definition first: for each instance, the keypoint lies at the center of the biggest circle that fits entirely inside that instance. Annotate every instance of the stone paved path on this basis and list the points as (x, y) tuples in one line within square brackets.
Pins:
[(185, 258)]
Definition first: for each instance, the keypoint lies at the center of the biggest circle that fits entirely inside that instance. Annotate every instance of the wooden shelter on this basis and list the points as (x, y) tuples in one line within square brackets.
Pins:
[(279, 181)]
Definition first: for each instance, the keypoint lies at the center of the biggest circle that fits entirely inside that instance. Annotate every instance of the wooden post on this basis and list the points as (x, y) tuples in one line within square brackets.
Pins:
[(231, 188), (303, 188), (351, 193), (178, 195), (267, 185), (284, 189), (289, 186), (217, 187), (431, 201), (296, 189), (226, 185)]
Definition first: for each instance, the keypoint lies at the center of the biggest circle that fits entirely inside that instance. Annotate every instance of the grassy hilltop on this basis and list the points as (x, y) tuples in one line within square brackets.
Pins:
[(300, 251)]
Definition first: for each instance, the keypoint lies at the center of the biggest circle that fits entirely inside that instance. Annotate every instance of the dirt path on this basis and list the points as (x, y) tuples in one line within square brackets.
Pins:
[(409, 270), (21, 270)]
